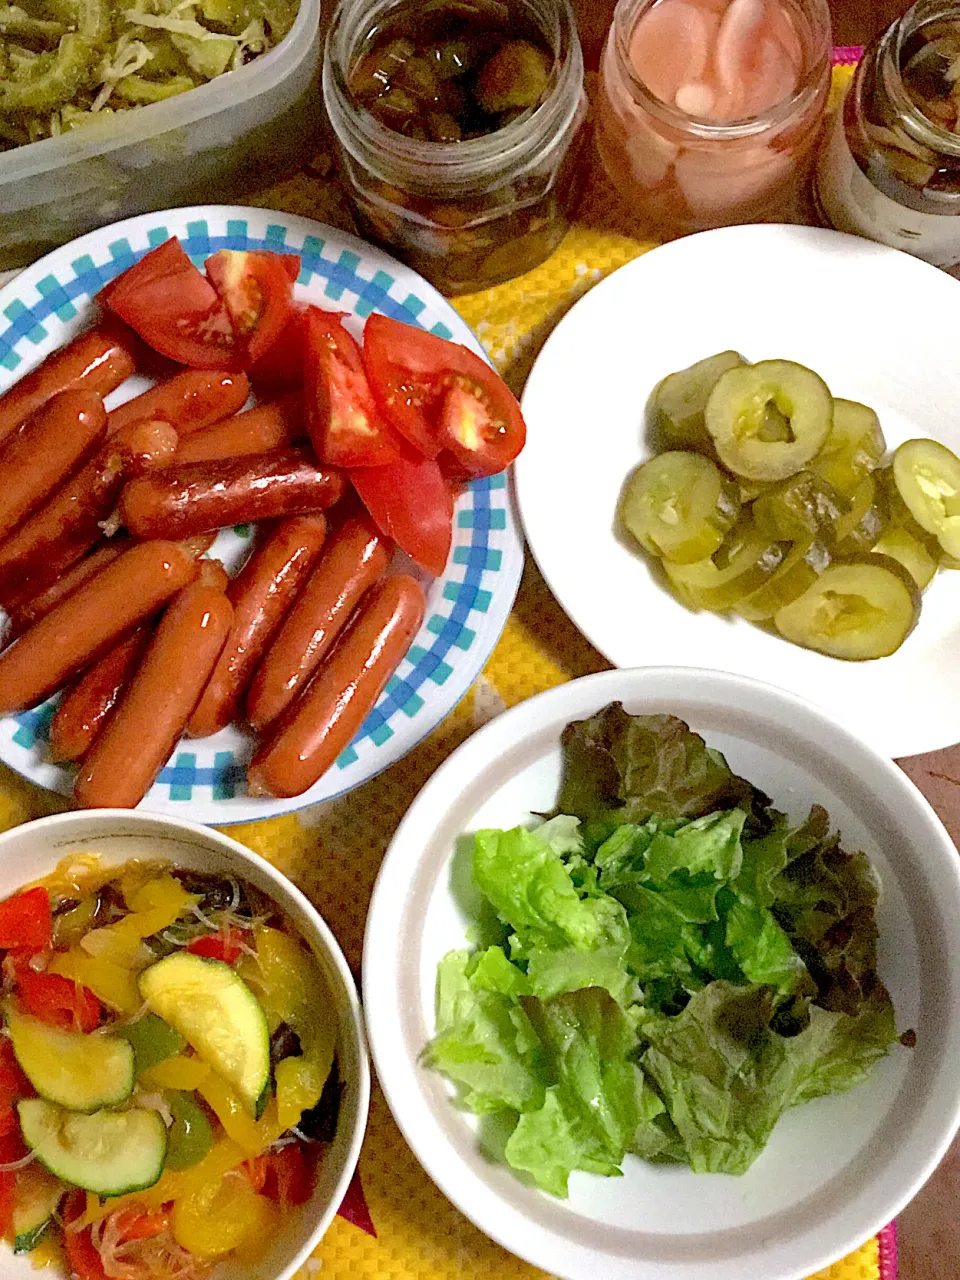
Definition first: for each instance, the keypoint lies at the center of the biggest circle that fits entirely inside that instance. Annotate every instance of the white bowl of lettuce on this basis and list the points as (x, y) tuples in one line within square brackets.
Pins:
[(685, 1030)]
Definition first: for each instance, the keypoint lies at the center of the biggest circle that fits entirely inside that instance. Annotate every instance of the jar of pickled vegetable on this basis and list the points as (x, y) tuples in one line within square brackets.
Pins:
[(459, 125), (709, 110), (890, 167)]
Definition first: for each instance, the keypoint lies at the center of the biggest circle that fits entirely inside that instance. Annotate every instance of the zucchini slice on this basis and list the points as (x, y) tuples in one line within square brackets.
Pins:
[(109, 1152), (217, 1013), (82, 1072), (35, 1201)]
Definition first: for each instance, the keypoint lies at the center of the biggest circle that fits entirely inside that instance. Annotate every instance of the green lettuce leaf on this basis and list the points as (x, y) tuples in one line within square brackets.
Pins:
[(763, 951), (484, 1040), (710, 844), (596, 1098)]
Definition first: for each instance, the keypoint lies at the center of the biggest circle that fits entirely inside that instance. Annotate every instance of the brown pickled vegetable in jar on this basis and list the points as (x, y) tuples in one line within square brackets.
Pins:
[(890, 167), (459, 124)]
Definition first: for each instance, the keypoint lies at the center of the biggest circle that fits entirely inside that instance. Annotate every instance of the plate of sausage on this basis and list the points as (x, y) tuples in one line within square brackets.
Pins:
[(257, 530)]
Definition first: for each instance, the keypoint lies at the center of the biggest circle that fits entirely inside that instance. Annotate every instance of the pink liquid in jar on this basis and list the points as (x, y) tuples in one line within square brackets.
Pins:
[(709, 110)]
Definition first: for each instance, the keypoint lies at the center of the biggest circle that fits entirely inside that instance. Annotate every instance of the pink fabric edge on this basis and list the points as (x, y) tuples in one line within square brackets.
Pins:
[(847, 55), (887, 1251)]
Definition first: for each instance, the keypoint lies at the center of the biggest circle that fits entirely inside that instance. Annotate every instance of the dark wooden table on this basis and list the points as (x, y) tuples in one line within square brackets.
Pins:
[(929, 1228)]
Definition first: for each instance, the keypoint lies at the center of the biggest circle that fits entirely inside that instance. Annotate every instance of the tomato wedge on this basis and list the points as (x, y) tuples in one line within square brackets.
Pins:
[(411, 503), (175, 309), (343, 420), (439, 395), (281, 365), (257, 291)]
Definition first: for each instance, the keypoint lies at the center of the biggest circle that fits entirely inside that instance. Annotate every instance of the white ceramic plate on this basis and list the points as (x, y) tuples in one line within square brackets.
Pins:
[(835, 1170), (878, 325), (34, 849), (466, 607)]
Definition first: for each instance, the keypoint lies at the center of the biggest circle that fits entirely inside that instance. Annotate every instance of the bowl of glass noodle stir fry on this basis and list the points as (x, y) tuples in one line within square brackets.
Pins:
[(109, 108), (183, 1073)]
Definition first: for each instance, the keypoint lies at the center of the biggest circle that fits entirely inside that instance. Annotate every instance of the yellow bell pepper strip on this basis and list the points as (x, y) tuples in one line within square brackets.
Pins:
[(153, 906), (112, 984), (221, 1217), (182, 1072), (288, 983), (227, 1105), (70, 927)]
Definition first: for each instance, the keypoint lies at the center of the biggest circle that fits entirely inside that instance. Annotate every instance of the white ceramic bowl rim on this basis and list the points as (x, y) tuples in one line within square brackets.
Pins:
[(885, 1173), (81, 830)]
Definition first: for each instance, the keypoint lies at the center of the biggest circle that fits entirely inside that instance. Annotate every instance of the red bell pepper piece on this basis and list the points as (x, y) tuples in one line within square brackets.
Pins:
[(85, 1262), (26, 920), (57, 1000), (283, 1176), (223, 946)]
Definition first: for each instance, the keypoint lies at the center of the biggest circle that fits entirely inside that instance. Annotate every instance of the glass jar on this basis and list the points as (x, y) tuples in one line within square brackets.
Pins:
[(705, 158), (472, 213), (890, 166)]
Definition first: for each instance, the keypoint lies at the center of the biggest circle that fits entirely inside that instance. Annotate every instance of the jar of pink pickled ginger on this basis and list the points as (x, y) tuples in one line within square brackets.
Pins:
[(709, 111)]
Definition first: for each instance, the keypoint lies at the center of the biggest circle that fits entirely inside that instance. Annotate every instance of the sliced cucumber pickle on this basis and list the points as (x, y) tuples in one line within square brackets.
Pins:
[(802, 566), (927, 476), (853, 448), (108, 1152), (680, 506), (82, 1072), (857, 610), (859, 528), (747, 559), (739, 413), (217, 1013), (802, 507), (680, 400)]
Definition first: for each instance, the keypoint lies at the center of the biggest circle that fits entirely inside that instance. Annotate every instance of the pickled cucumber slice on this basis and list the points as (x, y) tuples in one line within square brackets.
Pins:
[(913, 554), (737, 413), (858, 530), (680, 506), (859, 610), (853, 448), (801, 568), (801, 507), (927, 476), (743, 564), (680, 400)]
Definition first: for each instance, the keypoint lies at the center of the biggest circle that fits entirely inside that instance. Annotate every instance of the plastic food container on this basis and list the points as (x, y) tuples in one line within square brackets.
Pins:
[(243, 129)]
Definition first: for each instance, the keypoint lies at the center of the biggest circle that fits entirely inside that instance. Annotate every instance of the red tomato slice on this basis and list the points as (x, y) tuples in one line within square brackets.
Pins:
[(281, 365), (411, 503), (218, 946), (438, 394), (257, 291), (343, 420), (176, 310), (26, 921), (58, 1000)]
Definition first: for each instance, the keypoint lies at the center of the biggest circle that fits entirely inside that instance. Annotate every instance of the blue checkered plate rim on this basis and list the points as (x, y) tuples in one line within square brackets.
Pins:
[(205, 779)]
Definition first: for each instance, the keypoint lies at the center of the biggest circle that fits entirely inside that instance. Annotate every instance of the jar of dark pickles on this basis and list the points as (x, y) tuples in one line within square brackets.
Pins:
[(459, 126), (890, 166)]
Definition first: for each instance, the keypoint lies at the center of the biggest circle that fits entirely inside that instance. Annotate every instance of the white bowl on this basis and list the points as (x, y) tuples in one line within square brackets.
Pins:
[(118, 835), (837, 1169)]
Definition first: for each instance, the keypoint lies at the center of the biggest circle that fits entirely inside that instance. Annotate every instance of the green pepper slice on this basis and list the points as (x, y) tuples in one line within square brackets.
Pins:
[(927, 476), (680, 506), (859, 610), (152, 1041), (801, 507), (190, 1136), (740, 410), (679, 401), (914, 555), (853, 448), (747, 559), (801, 568)]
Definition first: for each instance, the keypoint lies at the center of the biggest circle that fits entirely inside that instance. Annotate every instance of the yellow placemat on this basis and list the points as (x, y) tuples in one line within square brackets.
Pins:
[(333, 852)]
